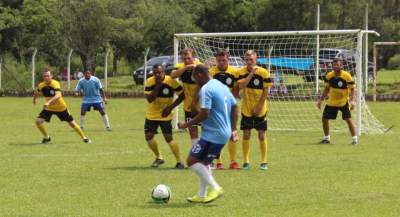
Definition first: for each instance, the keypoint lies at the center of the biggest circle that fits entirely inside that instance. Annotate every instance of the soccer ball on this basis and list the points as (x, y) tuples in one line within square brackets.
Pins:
[(161, 193)]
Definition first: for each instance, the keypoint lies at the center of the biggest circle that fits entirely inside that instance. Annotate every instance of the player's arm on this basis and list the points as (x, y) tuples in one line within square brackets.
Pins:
[(244, 82), (167, 110), (176, 73), (323, 96), (53, 99), (195, 100), (261, 101), (234, 118), (154, 93), (78, 89), (352, 98), (35, 96), (103, 95), (201, 116)]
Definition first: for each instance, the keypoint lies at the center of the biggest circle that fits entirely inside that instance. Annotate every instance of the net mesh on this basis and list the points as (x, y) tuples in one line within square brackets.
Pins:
[(291, 60)]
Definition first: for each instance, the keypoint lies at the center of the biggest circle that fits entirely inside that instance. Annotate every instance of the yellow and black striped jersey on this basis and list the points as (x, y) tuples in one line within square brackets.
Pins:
[(229, 77), (165, 97), (49, 91), (189, 85), (252, 93), (339, 88)]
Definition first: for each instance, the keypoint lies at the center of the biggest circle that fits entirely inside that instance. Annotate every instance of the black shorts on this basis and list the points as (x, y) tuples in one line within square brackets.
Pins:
[(258, 123), (151, 126), (63, 116), (189, 116), (330, 112)]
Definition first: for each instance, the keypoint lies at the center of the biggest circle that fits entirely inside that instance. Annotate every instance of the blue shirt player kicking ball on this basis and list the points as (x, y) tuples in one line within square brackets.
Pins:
[(218, 116), (93, 96)]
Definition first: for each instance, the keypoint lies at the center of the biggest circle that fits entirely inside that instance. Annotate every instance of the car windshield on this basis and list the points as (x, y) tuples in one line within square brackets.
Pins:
[(158, 60)]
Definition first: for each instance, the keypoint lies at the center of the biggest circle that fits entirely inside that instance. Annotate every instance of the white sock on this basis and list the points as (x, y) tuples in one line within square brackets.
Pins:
[(82, 121), (328, 137), (205, 173), (202, 188), (354, 138), (106, 121), (194, 141)]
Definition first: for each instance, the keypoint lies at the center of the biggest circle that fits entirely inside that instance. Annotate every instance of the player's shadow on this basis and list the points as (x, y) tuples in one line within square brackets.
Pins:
[(180, 205), (28, 144), (314, 144), (143, 168)]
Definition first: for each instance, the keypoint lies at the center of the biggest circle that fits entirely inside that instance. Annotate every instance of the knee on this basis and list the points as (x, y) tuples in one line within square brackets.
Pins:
[(149, 136), (261, 136), (168, 138), (246, 135), (38, 122)]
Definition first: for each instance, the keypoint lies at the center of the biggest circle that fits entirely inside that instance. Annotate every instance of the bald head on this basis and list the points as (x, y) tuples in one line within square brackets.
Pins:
[(200, 74)]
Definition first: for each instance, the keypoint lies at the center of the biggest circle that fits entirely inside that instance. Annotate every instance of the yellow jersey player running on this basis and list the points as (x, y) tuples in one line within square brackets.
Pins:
[(255, 82), (339, 85), (54, 105), (183, 71), (227, 75), (160, 90)]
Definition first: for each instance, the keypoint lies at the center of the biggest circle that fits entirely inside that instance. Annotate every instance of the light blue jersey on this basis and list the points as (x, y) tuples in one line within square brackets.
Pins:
[(218, 98), (90, 89)]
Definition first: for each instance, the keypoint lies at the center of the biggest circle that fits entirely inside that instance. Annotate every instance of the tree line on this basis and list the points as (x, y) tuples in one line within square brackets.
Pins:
[(127, 27)]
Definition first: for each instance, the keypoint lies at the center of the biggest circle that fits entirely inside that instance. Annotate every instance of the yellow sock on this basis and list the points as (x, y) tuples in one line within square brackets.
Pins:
[(78, 129), (246, 151), (154, 147), (175, 150), (232, 150), (42, 130), (264, 150)]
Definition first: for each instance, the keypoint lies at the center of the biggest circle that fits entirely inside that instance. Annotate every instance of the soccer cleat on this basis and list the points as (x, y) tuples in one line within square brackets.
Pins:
[(157, 162), (354, 142), (246, 166), (108, 128), (220, 166), (87, 141), (195, 199), (263, 166), (324, 141), (179, 165), (46, 140), (234, 165), (213, 195), (212, 166)]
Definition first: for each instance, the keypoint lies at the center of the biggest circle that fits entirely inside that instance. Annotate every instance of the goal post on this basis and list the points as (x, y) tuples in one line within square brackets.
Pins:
[(298, 63)]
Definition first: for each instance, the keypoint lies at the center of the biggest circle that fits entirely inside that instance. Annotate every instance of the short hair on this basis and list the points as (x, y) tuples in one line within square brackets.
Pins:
[(222, 53), (158, 65), (46, 71), (186, 51), (250, 53), (336, 60), (201, 69)]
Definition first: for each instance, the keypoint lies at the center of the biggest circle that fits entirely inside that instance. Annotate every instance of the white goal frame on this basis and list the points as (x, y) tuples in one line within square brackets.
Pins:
[(360, 33)]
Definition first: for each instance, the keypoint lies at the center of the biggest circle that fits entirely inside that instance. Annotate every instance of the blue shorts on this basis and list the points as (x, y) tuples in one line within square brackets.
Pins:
[(206, 151), (99, 106)]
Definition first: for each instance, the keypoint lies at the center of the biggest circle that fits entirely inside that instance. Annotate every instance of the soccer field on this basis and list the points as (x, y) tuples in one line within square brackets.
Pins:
[(111, 176)]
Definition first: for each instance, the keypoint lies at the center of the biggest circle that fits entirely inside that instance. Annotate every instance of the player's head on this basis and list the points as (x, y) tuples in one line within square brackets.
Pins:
[(222, 57), (250, 57), (158, 71), (47, 76), (87, 74), (337, 64), (187, 56), (200, 74)]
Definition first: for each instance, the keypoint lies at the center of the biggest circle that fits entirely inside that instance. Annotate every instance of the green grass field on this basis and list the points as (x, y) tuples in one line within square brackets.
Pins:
[(112, 177)]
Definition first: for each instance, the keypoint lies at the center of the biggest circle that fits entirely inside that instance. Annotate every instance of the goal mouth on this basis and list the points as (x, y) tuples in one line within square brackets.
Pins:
[(298, 62)]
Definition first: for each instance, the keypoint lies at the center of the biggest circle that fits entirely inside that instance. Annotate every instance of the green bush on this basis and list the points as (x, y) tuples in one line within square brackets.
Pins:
[(394, 62)]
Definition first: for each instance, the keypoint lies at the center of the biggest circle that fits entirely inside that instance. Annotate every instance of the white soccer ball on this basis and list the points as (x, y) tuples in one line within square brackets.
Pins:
[(161, 193)]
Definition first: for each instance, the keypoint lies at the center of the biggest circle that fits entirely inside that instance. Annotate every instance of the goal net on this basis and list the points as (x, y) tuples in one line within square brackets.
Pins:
[(298, 62)]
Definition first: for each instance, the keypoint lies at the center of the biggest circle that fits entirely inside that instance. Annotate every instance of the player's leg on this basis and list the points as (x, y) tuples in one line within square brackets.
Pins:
[(262, 138), (201, 155), (100, 107), (150, 129), (43, 116), (330, 112), (84, 108), (246, 124), (232, 155), (166, 128), (346, 115), (66, 116), (193, 130)]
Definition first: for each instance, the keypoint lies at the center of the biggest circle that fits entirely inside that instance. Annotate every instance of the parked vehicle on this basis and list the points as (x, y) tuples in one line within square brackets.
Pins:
[(166, 61)]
